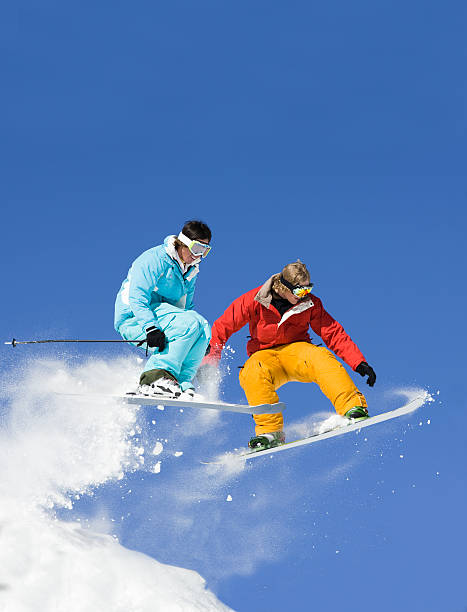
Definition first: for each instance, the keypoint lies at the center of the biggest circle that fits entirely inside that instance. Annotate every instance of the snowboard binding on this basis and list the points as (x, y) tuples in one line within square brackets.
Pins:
[(266, 440)]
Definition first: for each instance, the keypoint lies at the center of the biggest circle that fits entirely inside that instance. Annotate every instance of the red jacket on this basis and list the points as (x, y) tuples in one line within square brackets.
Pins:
[(268, 329)]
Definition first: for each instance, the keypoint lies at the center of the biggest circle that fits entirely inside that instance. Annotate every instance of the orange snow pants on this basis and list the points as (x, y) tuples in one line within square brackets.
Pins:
[(268, 369)]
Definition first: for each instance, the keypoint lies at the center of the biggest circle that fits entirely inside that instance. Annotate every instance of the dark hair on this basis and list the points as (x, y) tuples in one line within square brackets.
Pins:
[(197, 230)]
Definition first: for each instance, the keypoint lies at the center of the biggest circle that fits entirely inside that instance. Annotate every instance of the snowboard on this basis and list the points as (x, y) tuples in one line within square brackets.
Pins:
[(146, 400), (411, 406)]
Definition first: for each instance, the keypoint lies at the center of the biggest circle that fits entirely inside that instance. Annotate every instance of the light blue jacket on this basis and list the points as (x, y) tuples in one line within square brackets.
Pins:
[(154, 278)]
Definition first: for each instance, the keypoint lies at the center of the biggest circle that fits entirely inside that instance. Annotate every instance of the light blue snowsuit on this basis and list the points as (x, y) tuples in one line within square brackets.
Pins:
[(157, 293)]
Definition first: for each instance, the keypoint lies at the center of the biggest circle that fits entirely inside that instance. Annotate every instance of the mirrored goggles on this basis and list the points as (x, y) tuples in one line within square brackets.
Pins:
[(196, 248), (302, 292), (299, 291)]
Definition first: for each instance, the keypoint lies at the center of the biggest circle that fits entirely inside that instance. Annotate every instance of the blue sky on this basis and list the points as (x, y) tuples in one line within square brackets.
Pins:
[(333, 132)]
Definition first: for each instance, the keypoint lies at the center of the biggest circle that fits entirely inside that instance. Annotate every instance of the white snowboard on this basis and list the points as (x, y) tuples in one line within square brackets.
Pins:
[(411, 406), (146, 400)]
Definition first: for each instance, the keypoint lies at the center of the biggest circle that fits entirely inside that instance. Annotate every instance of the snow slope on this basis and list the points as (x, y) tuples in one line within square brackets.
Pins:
[(50, 565), (49, 455)]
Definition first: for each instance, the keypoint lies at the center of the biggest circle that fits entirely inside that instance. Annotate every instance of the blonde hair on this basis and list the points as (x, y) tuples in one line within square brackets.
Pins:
[(295, 273)]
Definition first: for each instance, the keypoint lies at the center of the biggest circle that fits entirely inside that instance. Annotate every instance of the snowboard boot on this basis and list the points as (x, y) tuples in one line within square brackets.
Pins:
[(267, 440), (358, 413), (159, 382)]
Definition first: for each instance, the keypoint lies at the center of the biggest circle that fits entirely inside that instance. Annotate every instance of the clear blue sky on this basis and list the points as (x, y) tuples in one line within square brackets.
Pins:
[(334, 132)]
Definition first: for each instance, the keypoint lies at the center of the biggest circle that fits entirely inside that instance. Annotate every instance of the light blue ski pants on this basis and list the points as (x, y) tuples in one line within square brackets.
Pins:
[(187, 334)]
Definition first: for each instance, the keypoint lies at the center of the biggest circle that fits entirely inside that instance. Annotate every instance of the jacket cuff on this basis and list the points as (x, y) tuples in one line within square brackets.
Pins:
[(357, 363), (150, 327)]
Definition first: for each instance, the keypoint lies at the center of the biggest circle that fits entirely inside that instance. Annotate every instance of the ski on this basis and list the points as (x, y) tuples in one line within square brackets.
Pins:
[(411, 406), (146, 400)]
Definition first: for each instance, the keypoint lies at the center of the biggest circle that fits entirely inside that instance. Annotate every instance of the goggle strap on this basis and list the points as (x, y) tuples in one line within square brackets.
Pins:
[(186, 241), (286, 283)]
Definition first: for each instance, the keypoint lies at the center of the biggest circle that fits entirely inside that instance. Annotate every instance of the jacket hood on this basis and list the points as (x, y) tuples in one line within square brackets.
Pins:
[(169, 241), (264, 295)]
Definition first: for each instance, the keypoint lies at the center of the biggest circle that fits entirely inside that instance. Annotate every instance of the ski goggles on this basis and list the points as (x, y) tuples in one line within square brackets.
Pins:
[(196, 248), (299, 291)]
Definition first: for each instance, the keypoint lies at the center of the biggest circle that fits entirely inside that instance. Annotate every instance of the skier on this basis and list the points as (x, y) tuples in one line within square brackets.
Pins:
[(280, 350), (154, 308)]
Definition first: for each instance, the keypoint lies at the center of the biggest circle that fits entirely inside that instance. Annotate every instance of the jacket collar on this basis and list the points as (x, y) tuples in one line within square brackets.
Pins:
[(299, 307)]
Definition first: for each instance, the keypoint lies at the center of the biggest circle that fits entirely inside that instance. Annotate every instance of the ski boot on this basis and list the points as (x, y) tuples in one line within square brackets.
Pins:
[(159, 382), (191, 396), (266, 440), (358, 413)]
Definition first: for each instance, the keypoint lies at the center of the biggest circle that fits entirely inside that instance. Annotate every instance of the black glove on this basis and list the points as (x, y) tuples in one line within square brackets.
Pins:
[(155, 338), (366, 370)]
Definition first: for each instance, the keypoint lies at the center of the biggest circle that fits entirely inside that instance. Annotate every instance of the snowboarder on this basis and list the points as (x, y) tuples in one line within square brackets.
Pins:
[(280, 349), (154, 309)]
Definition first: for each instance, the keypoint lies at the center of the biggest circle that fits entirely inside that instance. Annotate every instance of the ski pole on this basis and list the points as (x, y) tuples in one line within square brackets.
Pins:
[(14, 342)]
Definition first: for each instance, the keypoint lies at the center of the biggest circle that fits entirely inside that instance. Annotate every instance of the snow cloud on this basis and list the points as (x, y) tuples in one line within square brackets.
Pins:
[(86, 479)]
